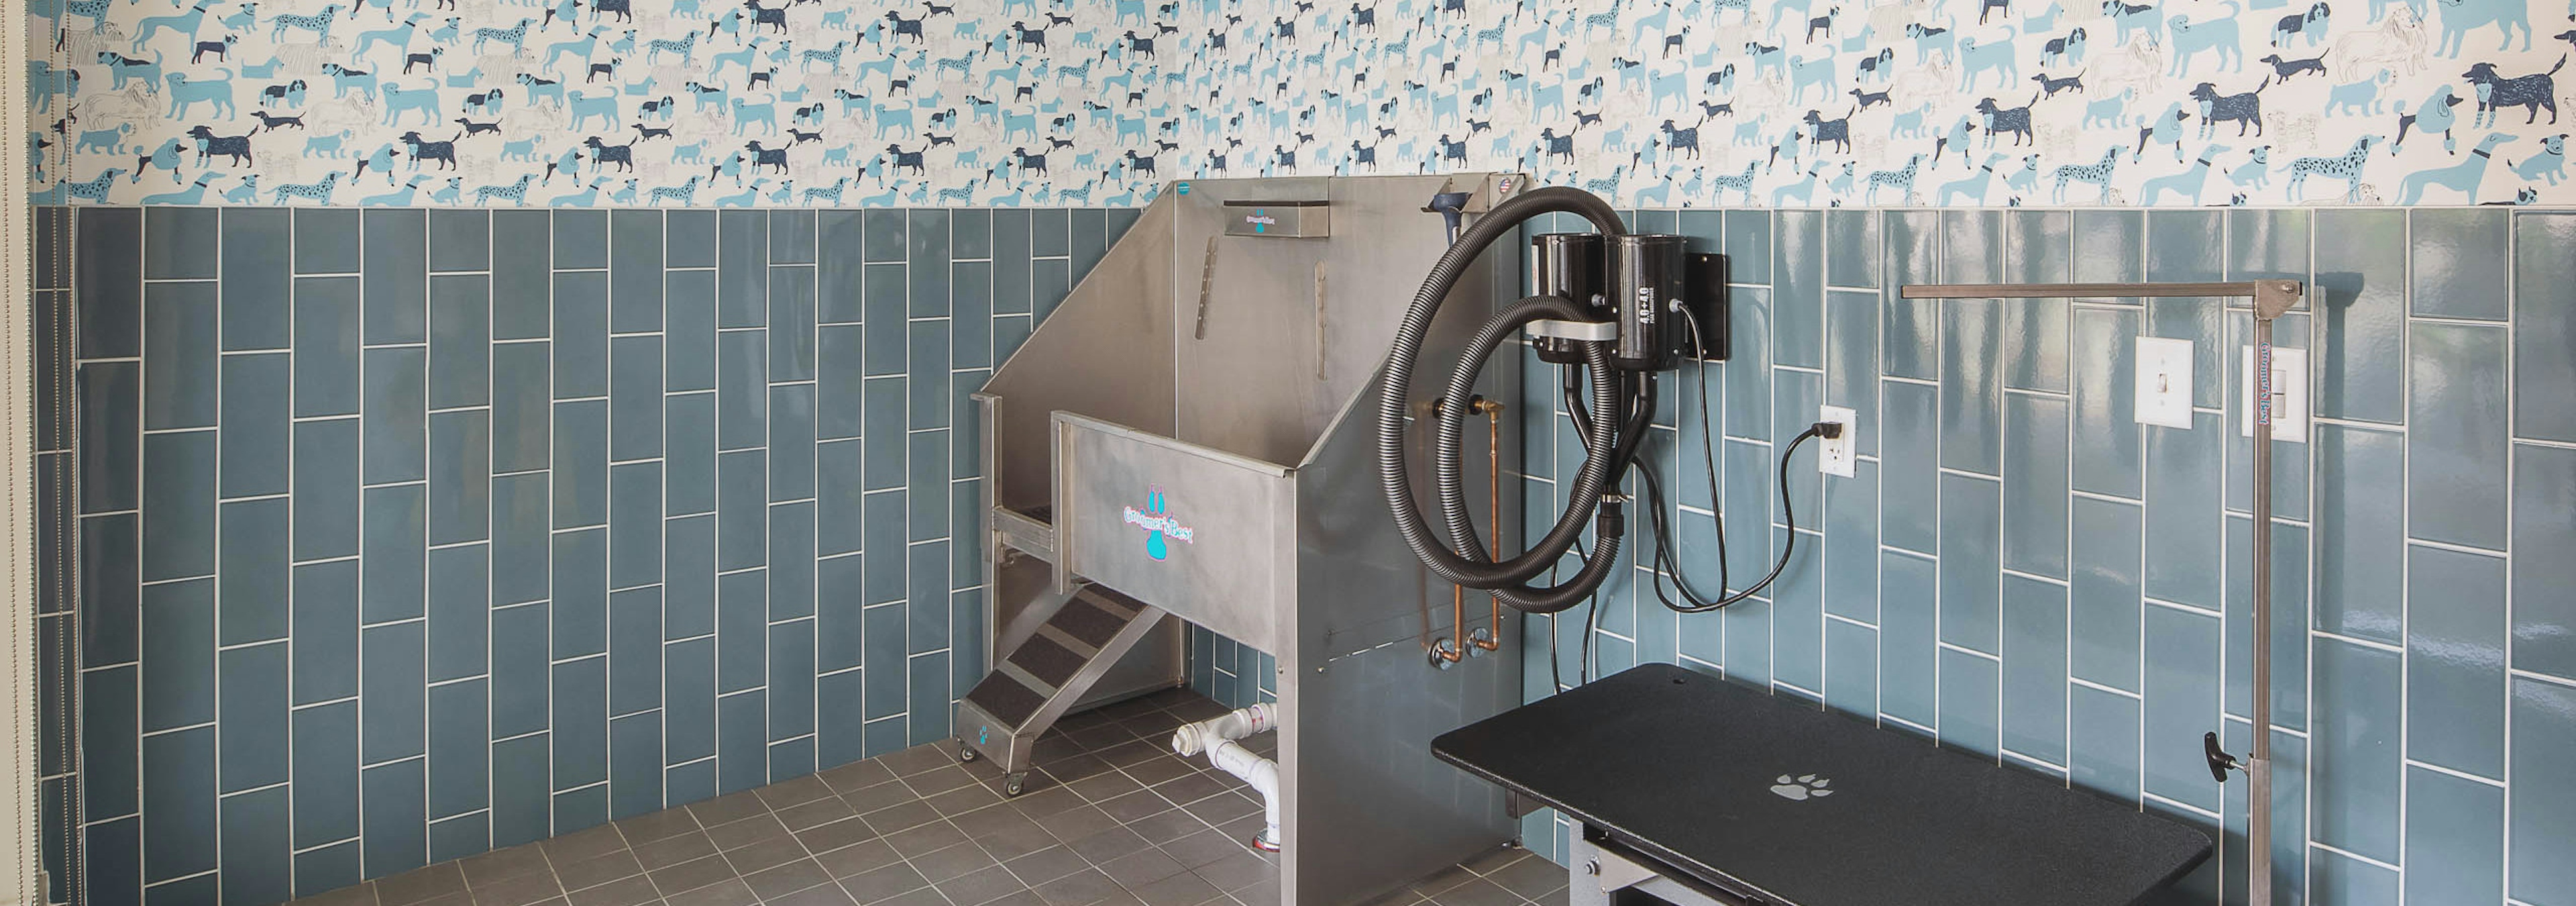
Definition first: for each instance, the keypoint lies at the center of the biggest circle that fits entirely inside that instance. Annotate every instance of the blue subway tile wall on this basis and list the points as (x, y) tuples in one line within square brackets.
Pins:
[(410, 535), (752, 570), (2087, 619)]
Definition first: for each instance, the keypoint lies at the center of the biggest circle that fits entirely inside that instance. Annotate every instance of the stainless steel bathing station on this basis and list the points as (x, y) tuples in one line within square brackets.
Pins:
[(1184, 436)]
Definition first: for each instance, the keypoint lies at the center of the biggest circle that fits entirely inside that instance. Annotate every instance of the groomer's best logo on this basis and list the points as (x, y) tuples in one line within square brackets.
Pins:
[(1161, 527)]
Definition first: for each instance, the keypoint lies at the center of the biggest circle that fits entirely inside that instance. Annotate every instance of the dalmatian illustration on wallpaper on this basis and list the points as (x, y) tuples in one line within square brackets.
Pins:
[(1096, 102), (604, 102)]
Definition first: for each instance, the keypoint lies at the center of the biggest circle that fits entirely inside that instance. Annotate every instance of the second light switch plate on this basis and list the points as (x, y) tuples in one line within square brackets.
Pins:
[(2289, 395)]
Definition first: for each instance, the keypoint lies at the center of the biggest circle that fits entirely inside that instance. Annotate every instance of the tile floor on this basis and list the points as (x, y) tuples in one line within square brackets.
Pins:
[(1110, 817)]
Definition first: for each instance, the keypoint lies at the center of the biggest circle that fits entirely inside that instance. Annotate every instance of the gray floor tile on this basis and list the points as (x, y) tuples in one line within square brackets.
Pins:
[(1078, 889), (733, 892), (880, 795), (634, 891), (926, 838), (670, 851), (600, 870), (965, 799), (521, 890), (952, 862), (1137, 869), (688, 876), (856, 775), (911, 813), (884, 883), (1204, 847), (729, 808), (589, 844), (1046, 865), (858, 858), (915, 828), (502, 864), (1076, 823), (1177, 890), (922, 897), (1477, 892), (1243, 869), (1108, 844), (757, 828), (661, 825), (1531, 877), (981, 886), (826, 895), (918, 759), (1135, 806), (835, 835), (779, 796), (1166, 826), (765, 855), (815, 813), (802, 874)]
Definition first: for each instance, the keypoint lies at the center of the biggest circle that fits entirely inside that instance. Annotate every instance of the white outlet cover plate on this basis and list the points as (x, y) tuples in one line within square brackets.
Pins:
[(2163, 382), (2289, 395), (1835, 455)]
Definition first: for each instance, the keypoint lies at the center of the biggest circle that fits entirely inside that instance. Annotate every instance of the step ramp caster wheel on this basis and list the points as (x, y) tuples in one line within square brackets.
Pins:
[(1015, 784), (965, 752)]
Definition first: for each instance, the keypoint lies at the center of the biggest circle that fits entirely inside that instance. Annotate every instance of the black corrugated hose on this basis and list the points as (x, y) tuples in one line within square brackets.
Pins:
[(1607, 445)]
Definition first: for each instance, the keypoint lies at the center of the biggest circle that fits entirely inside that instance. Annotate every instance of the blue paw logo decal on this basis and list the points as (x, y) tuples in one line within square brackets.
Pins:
[(1161, 528)]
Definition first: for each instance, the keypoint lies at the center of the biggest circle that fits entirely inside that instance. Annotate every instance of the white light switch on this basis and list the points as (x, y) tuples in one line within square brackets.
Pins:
[(2164, 382), (2289, 395)]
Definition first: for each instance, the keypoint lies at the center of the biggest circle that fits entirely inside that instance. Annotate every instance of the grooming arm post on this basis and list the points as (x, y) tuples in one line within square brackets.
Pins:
[(2271, 299)]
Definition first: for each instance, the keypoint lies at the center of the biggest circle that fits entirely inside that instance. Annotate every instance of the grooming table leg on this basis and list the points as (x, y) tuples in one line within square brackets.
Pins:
[(1598, 872)]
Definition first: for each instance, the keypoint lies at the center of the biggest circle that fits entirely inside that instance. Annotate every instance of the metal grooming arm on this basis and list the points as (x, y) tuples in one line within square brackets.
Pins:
[(2271, 299)]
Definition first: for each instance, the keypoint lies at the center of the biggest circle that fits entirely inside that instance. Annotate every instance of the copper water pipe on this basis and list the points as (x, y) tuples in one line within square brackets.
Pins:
[(1494, 517)]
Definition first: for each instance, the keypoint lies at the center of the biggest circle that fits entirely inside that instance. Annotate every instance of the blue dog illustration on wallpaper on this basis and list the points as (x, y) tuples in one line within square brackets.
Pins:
[(1063, 102)]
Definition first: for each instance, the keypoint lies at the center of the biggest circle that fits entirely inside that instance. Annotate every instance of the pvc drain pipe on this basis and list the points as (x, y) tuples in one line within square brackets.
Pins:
[(1216, 736), (1191, 739)]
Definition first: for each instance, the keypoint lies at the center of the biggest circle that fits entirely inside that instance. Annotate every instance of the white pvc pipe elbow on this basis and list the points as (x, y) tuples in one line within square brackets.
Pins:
[(1191, 739), (1262, 774), (1216, 736)]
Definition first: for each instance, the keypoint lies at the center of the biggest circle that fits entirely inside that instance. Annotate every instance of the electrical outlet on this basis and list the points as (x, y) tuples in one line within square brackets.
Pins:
[(1834, 457), (2164, 382), (2289, 395)]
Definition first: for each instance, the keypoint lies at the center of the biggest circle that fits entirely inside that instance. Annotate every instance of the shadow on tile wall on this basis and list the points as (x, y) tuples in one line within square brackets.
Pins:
[(2020, 571), (408, 534)]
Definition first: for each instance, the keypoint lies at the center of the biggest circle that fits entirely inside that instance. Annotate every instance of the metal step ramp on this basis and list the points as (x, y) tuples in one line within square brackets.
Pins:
[(1045, 674)]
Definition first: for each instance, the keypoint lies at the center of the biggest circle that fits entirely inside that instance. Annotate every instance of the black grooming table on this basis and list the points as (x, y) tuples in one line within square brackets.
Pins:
[(1775, 799)]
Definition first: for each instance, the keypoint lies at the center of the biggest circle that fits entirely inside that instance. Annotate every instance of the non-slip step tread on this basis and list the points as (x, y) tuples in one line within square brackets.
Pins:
[(1087, 621), (1047, 659), (1006, 699)]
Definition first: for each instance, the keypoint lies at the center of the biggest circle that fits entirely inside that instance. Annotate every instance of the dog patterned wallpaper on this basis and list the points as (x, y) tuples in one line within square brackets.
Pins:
[(602, 102), (1055, 102), (1916, 102)]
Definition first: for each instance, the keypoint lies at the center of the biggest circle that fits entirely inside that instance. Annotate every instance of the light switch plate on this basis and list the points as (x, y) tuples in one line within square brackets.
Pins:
[(2164, 382), (2289, 395), (1834, 455)]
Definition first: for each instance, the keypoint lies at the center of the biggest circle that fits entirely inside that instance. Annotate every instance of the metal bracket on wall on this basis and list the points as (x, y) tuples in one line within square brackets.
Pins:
[(1319, 321), (1207, 282), (2270, 299)]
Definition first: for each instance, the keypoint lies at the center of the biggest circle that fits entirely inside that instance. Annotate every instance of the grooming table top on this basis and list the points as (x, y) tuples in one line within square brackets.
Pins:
[(1713, 779)]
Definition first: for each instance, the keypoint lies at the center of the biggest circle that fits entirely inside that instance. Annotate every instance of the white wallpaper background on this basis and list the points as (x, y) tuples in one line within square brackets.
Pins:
[(1096, 102), (688, 103), (1662, 103)]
